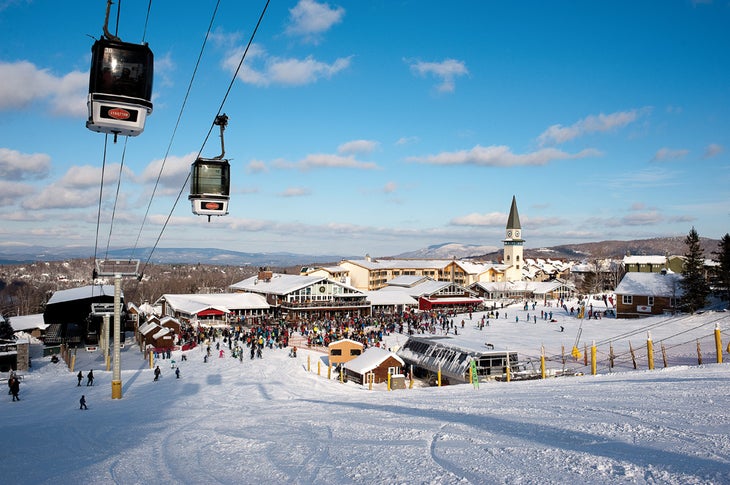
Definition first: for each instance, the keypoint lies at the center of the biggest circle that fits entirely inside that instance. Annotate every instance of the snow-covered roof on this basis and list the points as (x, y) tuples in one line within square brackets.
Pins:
[(147, 327), (279, 284), (370, 359), (393, 296), (224, 302), (401, 263), (346, 341), (645, 259), (161, 332), (406, 280), (28, 322), (82, 293), (650, 284)]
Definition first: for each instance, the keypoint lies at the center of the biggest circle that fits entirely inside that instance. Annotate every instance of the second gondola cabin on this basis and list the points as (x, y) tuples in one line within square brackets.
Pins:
[(120, 87), (210, 184)]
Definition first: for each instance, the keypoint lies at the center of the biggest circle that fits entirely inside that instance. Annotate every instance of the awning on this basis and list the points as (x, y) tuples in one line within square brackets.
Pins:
[(210, 312)]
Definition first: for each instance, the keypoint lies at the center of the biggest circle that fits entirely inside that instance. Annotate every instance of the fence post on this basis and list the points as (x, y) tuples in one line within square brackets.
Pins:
[(611, 356), (633, 355), (542, 361), (319, 367), (699, 353), (718, 343), (664, 355), (309, 369), (593, 358), (649, 351)]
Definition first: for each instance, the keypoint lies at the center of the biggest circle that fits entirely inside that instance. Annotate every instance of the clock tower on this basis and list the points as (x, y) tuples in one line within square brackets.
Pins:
[(513, 242)]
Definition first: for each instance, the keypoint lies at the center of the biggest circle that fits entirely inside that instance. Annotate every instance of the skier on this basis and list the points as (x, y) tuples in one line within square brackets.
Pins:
[(157, 373), (177, 373), (14, 388), (82, 402), (90, 378), (80, 377)]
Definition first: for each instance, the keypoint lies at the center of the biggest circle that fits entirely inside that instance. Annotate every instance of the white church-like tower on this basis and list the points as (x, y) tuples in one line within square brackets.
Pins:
[(513, 242)]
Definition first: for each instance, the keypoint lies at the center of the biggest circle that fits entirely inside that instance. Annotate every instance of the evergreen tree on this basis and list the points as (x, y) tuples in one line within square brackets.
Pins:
[(694, 283), (723, 270), (6, 330)]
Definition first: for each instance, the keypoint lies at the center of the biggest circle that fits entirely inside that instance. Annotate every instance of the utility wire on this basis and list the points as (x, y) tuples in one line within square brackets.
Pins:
[(146, 19)]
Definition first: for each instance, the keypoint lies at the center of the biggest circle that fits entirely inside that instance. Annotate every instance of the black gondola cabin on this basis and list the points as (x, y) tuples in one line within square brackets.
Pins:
[(210, 187), (120, 87)]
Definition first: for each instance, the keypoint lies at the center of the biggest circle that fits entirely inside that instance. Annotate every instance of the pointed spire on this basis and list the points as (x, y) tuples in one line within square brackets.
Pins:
[(513, 221)]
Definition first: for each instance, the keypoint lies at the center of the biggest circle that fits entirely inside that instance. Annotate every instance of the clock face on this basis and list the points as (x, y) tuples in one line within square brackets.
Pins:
[(509, 233), (517, 233)]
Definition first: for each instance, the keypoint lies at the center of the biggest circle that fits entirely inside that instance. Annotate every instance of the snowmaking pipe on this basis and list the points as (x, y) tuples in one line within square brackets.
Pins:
[(649, 350)]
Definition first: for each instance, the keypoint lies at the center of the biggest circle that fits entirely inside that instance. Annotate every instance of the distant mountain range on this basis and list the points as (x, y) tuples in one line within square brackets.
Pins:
[(583, 251)]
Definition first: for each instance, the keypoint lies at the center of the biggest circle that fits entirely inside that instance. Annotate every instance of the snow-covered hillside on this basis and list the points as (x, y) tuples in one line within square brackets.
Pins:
[(271, 421)]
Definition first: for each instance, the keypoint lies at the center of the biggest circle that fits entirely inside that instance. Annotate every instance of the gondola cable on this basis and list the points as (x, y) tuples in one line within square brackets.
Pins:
[(210, 130), (177, 124), (116, 198)]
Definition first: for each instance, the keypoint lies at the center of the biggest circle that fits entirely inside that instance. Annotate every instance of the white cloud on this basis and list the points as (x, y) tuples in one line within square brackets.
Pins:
[(557, 134), (390, 187), (407, 140), (12, 192), (18, 166), (664, 154), (175, 172), (309, 19), (445, 70), (476, 219), (295, 192), (256, 166), (357, 146), (501, 156), (326, 160), (260, 69), (23, 83), (712, 150)]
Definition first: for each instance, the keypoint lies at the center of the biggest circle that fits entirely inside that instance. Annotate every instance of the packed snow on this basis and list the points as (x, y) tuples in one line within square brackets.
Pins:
[(275, 420)]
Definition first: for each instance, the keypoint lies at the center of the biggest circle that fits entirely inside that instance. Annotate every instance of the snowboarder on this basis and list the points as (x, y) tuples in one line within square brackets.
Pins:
[(82, 402), (177, 373), (90, 378), (157, 373), (80, 377)]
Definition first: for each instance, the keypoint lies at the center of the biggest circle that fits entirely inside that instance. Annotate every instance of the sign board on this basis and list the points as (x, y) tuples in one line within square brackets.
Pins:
[(103, 308), (643, 308)]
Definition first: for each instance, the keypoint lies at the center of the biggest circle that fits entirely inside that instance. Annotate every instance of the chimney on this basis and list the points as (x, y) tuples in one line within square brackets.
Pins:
[(265, 274)]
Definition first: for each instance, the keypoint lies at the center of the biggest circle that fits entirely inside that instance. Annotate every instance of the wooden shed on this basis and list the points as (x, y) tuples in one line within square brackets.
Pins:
[(171, 323), (379, 362), (344, 351)]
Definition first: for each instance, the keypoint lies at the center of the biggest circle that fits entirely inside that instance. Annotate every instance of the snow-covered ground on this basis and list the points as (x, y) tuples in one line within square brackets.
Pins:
[(271, 421)]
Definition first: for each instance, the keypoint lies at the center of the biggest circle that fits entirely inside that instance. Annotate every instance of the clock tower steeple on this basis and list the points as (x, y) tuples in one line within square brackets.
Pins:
[(513, 242)]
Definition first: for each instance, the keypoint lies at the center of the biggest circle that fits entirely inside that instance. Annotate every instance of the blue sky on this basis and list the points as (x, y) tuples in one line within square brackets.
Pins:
[(377, 127)]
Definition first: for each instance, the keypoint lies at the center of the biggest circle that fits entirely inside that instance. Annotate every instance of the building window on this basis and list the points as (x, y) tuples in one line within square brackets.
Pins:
[(354, 351), (335, 351), (627, 299), (650, 300), (508, 257), (517, 257)]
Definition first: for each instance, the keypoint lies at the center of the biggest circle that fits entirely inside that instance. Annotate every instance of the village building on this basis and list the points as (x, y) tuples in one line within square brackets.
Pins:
[(452, 356), (344, 350), (213, 309), (644, 294), (34, 325), (432, 294), (297, 297), (375, 364), (70, 316), (511, 291)]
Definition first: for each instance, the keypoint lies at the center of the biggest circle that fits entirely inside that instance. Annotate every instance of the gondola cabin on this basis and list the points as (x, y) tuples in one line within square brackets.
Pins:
[(120, 87), (210, 184)]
